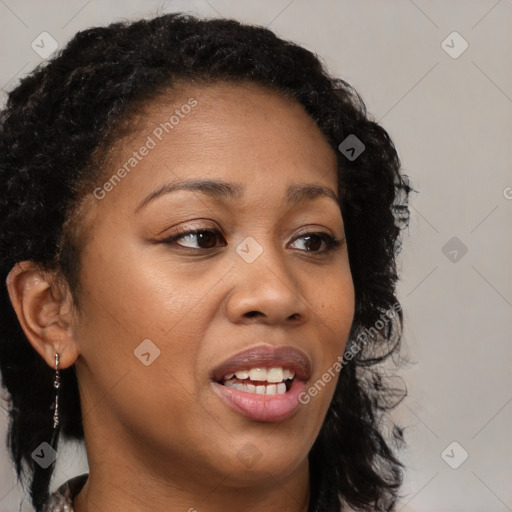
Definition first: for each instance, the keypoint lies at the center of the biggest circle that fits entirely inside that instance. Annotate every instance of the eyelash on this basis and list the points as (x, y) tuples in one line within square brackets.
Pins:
[(331, 242)]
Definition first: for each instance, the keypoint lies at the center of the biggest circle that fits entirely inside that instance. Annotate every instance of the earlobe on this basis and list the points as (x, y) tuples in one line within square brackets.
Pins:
[(43, 311)]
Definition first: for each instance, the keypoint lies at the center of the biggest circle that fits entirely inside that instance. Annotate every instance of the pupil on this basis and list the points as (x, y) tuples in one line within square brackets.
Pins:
[(209, 238), (316, 246)]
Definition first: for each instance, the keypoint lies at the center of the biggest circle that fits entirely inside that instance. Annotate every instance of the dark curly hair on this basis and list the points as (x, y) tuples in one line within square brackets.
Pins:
[(57, 128)]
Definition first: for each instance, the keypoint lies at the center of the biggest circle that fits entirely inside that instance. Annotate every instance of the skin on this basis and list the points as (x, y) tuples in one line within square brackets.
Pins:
[(157, 437)]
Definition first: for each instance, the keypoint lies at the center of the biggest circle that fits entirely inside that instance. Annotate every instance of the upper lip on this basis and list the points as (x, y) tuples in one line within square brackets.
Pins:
[(266, 356)]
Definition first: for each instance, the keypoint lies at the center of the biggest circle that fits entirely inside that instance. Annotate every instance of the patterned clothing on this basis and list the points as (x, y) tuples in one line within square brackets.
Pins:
[(62, 499)]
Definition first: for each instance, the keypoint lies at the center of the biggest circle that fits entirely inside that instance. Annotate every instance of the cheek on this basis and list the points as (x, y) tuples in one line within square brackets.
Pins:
[(138, 337), (134, 313), (136, 295), (335, 306)]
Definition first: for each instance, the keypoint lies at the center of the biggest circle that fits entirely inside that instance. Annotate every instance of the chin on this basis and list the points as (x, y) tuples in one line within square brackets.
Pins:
[(262, 465)]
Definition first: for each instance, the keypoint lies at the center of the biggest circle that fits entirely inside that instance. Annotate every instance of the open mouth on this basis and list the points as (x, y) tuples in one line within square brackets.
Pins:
[(263, 383), (260, 381)]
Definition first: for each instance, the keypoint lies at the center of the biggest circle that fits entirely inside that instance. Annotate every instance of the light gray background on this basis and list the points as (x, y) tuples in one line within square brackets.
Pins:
[(451, 122)]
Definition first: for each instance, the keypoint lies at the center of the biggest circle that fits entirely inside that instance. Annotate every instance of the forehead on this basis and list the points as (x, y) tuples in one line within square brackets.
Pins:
[(256, 118), (243, 133)]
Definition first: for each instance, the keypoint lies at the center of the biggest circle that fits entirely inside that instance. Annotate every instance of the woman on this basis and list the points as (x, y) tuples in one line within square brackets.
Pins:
[(199, 231)]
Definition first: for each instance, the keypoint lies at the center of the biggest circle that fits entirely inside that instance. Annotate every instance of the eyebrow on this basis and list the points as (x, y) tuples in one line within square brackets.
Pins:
[(295, 193)]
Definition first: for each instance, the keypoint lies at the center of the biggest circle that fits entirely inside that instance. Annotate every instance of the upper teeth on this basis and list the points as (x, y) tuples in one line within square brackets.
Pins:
[(276, 374)]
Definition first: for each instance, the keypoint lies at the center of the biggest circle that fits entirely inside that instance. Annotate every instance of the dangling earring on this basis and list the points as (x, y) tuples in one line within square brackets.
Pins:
[(56, 386)]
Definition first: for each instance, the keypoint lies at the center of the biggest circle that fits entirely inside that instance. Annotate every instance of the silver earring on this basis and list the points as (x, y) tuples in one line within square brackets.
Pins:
[(56, 386)]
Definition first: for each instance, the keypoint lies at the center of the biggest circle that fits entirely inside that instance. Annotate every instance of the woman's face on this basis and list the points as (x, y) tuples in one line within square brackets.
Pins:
[(158, 319)]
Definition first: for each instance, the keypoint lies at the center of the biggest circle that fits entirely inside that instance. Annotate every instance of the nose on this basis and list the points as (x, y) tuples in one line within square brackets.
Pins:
[(267, 291)]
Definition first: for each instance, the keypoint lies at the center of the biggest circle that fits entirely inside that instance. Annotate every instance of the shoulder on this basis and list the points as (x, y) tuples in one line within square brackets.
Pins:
[(61, 500)]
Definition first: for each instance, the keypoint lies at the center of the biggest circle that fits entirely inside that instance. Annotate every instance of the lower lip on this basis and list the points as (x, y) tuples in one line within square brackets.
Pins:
[(262, 407)]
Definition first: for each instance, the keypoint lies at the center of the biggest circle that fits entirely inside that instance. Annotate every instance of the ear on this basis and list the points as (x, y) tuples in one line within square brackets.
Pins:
[(43, 306)]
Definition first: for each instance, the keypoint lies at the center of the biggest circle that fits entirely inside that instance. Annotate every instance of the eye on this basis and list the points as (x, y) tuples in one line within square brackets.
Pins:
[(314, 240), (205, 238)]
